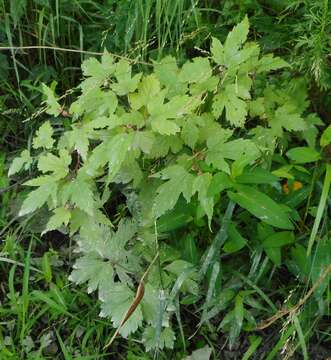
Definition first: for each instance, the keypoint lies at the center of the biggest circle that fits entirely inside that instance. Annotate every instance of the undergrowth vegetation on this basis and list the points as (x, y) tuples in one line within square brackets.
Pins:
[(165, 180)]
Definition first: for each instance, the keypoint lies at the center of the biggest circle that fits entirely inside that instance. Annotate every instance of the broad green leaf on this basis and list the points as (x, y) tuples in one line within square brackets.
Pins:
[(175, 108), (235, 39), (144, 140), (92, 67), (98, 123), (261, 206), (133, 119), (59, 166), (179, 267), (78, 191), (269, 62), (43, 138), (61, 216), (107, 252), (37, 198), (115, 303), (246, 159), (179, 182), (190, 134), (164, 126), (326, 137), (284, 172), (273, 243), (166, 340), (201, 186), (113, 152), (130, 171), (243, 151), (215, 155), (125, 83), (256, 107), (97, 72), (297, 197), (40, 180), (150, 304), (179, 217), (148, 88), (216, 159), (279, 239), (236, 149), (235, 108), (77, 139), (201, 354), (53, 107), (167, 72), (246, 57), (209, 85), (312, 131), (287, 117), (243, 86), (97, 103), (220, 181), (264, 231), (22, 161), (235, 242), (230, 324), (162, 114), (94, 270), (197, 71), (257, 176), (118, 147), (217, 51), (303, 155), (164, 145)]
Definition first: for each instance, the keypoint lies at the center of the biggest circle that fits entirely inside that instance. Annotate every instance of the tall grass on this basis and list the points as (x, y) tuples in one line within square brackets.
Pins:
[(141, 29), (120, 26)]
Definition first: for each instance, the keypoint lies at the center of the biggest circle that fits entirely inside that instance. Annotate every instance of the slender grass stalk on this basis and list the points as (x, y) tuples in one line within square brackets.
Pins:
[(9, 37), (321, 207), (252, 348), (281, 342), (301, 337), (25, 292)]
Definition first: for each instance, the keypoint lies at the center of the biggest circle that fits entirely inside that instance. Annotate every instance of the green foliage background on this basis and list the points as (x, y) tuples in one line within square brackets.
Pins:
[(219, 163)]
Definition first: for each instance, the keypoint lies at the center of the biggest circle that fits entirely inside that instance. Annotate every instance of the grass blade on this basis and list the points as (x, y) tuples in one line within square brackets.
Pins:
[(321, 207), (301, 337), (219, 240), (256, 341), (281, 342)]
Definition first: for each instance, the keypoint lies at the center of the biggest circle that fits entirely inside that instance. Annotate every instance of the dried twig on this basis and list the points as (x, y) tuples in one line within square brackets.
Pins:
[(283, 312), (56, 48)]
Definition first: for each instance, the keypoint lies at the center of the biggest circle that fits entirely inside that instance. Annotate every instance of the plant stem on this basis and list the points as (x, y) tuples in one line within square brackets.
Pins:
[(321, 207)]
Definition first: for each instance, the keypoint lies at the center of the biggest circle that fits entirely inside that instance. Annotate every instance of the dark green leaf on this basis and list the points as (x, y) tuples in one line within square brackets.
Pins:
[(261, 206)]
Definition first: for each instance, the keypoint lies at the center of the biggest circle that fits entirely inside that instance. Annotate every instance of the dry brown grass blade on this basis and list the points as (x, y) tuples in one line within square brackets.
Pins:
[(283, 312), (136, 301)]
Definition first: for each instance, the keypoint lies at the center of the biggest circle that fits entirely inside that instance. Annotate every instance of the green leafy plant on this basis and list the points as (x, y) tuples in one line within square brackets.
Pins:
[(180, 145)]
